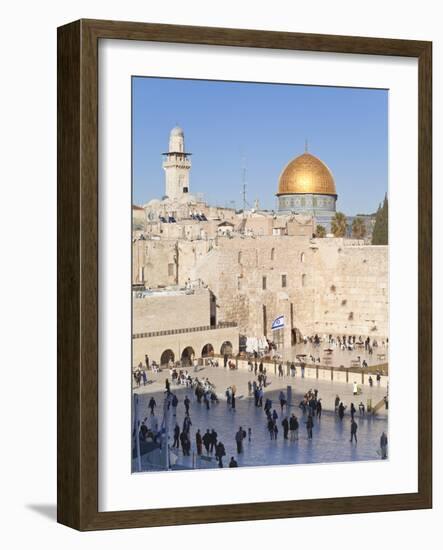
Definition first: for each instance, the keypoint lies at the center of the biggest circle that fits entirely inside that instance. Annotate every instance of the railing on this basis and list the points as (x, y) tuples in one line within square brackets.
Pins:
[(225, 324)]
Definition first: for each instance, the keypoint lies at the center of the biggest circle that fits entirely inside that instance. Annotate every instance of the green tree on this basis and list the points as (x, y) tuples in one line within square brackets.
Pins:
[(380, 233), (339, 225), (358, 228), (320, 232)]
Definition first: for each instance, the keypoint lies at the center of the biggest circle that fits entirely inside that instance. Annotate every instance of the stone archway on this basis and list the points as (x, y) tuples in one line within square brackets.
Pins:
[(188, 355), (226, 348), (207, 350), (166, 356)]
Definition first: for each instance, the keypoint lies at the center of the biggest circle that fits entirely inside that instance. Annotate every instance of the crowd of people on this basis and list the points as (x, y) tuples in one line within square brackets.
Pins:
[(279, 415)]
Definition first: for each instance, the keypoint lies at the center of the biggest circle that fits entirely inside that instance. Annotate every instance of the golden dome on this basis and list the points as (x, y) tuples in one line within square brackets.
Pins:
[(306, 174)]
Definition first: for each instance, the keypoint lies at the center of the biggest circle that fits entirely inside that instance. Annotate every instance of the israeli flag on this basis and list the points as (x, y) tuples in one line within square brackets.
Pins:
[(279, 322)]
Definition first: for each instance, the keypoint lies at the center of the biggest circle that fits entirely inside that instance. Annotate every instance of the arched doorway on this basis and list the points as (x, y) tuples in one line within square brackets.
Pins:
[(226, 348), (167, 355), (208, 350), (188, 355)]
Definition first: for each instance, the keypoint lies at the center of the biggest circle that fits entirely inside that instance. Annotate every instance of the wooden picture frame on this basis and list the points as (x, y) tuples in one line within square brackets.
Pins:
[(78, 273)]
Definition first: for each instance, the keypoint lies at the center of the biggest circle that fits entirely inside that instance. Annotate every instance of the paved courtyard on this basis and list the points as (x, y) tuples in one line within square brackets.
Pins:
[(331, 436), (338, 357)]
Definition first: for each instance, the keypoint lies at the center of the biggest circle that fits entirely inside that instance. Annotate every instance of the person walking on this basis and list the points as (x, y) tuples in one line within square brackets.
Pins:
[(147, 361), (319, 409), (207, 441), (341, 410), (228, 395), (239, 436), (145, 378), (152, 404), (233, 402), (285, 424), (213, 440), (336, 403), (176, 436), (187, 424), (282, 398), (174, 404), (206, 400), (187, 404), (220, 453), (384, 446), (353, 410), (354, 388), (167, 386), (199, 442), (293, 427), (353, 430), (184, 443), (271, 427), (309, 426)]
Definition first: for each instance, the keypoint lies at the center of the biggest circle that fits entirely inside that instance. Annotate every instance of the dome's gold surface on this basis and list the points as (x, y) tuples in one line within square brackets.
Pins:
[(306, 174)]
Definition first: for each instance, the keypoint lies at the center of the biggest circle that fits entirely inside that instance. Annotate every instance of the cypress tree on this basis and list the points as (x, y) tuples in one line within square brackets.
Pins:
[(380, 234)]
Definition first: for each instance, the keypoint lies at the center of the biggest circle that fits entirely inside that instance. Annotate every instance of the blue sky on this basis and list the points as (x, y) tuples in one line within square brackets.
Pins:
[(266, 125)]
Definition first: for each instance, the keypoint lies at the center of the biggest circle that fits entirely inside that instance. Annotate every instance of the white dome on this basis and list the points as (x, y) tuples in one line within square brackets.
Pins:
[(177, 131), (153, 202)]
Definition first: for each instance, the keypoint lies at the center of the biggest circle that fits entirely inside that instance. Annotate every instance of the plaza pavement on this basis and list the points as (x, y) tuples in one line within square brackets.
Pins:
[(330, 438)]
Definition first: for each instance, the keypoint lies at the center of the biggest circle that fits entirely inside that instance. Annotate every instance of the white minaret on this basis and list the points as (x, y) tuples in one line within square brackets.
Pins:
[(176, 165)]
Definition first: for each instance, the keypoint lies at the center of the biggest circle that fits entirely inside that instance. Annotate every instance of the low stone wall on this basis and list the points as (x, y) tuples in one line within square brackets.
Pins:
[(327, 374)]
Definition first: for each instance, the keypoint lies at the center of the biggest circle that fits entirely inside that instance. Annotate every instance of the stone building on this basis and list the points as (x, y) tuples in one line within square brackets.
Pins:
[(252, 266), (164, 333)]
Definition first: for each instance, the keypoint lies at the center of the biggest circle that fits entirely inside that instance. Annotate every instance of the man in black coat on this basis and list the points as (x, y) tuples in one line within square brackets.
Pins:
[(220, 453), (213, 440), (207, 441), (186, 402), (353, 430), (176, 436), (285, 425)]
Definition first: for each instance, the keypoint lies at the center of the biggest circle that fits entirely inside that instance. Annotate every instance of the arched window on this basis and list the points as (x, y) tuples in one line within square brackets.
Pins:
[(302, 257), (272, 254), (239, 257), (303, 279)]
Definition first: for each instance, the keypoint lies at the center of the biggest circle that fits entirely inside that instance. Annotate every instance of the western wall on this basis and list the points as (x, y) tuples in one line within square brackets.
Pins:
[(325, 286)]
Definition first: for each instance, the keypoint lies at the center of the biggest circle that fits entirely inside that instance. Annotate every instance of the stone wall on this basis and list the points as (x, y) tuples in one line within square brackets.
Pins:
[(325, 286), (171, 310), (155, 346)]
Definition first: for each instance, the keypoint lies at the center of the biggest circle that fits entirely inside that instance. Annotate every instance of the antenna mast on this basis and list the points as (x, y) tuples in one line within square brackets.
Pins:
[(243, 192)]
